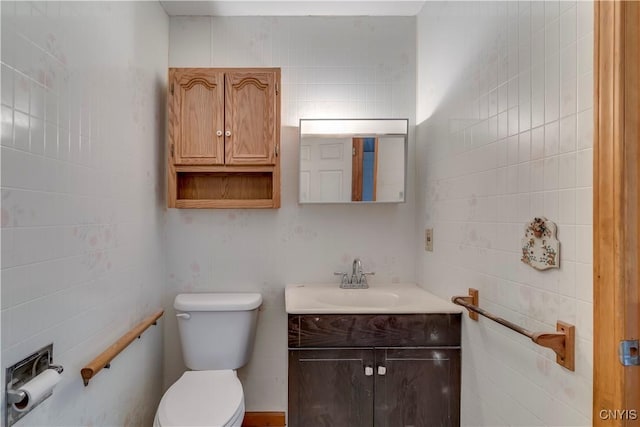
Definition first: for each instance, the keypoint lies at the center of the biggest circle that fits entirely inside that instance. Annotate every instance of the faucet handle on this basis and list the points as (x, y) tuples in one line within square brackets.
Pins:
[(363, 277), (344, 277)]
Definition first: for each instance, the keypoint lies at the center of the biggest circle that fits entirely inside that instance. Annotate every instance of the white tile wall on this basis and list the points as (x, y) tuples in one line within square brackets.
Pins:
[(540, 163), (82, 196), (504, 109), (331, 67)]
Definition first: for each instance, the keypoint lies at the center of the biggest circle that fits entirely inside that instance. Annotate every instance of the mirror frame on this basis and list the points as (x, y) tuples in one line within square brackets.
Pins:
[(355, 128)]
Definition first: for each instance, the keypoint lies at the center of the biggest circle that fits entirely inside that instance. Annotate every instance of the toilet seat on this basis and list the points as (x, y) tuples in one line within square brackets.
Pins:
[(203, 398)]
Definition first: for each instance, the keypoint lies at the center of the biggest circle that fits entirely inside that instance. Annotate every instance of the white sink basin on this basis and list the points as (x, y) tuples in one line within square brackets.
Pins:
[(375, 298), (330, 298)]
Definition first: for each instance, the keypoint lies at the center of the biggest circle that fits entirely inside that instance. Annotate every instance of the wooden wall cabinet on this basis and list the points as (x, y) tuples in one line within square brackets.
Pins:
[(374, 370), (224, 138)]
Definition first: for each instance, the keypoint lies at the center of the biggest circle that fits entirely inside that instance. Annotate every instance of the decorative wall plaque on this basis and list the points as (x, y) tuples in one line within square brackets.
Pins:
[(540, 247)]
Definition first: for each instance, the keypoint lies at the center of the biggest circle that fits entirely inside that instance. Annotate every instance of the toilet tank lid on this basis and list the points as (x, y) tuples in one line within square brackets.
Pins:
[(217, 301)]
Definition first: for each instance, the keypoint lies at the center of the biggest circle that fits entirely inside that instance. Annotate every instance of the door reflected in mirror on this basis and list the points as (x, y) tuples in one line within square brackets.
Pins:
[(344, 161)]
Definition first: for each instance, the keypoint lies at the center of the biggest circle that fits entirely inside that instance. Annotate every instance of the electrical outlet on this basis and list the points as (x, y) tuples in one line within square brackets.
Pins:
[(428, 239)]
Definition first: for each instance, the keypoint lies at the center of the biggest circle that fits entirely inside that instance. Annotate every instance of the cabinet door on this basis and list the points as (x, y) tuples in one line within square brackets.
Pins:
[(329, 388), (196, 116), (417, 387), (250, 118)]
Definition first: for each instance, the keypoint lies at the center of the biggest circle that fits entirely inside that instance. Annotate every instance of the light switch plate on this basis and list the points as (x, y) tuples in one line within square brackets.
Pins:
[(428, 239)]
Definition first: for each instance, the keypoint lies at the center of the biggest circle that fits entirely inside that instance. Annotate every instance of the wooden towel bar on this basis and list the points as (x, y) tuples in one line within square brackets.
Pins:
[(105, 358), (562, 342)]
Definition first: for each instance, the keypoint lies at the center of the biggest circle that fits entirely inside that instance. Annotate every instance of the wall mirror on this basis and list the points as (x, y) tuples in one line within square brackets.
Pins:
[(353, 160)]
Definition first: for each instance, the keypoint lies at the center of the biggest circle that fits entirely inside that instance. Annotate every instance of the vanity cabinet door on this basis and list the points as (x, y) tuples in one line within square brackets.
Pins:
[(330, 388), (417, 387)]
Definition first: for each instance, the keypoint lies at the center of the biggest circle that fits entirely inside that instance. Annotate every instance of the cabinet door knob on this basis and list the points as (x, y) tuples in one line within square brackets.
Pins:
[(219, 133), (228, 133), (382, 370), (368, 371)]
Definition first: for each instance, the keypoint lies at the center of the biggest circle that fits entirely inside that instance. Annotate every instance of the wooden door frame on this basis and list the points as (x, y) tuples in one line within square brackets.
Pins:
[(357, 169), (616, 221)]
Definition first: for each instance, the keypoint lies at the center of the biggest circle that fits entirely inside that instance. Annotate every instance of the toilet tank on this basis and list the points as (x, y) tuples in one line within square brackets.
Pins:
[(217, 330)]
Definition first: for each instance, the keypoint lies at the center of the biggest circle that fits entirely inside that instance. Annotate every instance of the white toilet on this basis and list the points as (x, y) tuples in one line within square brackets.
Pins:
[(217, 331)]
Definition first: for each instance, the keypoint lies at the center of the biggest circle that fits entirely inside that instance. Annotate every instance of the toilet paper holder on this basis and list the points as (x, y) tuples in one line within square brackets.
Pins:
[(21, 373)]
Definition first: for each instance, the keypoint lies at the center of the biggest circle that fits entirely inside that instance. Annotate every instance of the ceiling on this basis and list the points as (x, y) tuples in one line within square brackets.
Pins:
[(293, 8)]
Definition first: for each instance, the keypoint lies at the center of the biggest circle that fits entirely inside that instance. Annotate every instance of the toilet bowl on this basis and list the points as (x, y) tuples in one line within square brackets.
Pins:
[(217, 332), (202, 398)]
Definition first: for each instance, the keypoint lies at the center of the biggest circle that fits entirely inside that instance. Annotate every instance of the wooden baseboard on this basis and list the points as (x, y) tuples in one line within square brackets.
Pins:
[(263, 419)]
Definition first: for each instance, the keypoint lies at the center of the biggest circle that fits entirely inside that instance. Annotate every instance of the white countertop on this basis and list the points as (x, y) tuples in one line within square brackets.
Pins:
[(390, 299)]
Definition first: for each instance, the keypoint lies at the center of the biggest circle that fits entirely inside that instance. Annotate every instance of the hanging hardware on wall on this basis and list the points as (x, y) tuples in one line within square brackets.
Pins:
[(562, 342), (30, 382), (540, 247), (104, 359)]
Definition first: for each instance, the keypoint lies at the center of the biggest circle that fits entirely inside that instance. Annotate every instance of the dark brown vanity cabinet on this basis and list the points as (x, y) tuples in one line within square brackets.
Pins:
[(374, 370), (421, 387), (329, 387)]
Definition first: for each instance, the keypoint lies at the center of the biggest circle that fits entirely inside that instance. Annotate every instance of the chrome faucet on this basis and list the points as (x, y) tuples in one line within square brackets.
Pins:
[(356, 271), (358, 278)]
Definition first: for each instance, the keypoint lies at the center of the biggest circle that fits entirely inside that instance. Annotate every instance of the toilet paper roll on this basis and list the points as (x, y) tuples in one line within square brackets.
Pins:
[(36, 389)]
